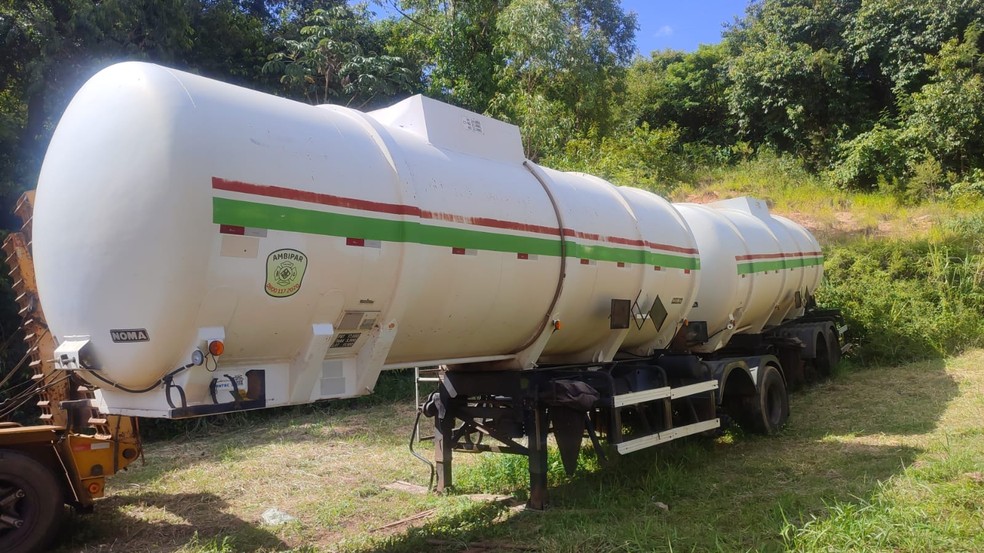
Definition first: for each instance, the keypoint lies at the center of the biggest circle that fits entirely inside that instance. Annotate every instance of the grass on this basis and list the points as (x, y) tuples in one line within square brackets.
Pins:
[(834, 215), (885, 458), (933, 503)]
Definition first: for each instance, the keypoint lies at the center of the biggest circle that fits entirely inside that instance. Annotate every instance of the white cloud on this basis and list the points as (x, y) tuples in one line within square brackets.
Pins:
[(665, 30)]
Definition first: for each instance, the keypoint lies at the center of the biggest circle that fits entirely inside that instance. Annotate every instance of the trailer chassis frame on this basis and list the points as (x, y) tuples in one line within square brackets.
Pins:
[(630, 404)]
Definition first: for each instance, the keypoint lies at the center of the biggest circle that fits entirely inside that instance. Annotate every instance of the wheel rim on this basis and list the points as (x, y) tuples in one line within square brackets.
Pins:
[(11, 504), (18, 511)]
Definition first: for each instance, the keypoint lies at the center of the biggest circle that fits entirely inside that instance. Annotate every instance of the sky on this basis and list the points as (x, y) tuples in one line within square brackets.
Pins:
[(681, 24), (673, 24)]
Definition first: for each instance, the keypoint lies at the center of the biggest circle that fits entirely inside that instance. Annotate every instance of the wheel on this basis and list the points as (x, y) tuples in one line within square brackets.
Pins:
[(771, 410), (30, 503), (823, 362)]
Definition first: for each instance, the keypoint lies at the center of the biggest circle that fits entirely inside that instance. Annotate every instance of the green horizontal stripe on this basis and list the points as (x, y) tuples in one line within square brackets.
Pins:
[(749, 267), (431, 235), (626, 255), (292, 219)]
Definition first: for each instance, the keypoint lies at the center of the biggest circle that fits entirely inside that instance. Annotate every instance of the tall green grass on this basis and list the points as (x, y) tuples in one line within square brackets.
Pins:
[(910, 299), (932, 506)]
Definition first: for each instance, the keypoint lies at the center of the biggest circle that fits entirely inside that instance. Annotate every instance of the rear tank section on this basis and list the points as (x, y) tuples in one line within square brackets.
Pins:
[(759, 269)]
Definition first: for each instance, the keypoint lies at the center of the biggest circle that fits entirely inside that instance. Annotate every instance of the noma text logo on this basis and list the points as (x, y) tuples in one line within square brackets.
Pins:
[(122, 335)]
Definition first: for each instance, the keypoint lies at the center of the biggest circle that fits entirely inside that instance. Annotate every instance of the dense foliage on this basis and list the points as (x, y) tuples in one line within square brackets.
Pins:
[(910, 299), (871, 94)]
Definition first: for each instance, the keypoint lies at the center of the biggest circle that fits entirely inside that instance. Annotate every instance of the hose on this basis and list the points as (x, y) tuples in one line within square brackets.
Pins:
[(413, 438), (122, 388)]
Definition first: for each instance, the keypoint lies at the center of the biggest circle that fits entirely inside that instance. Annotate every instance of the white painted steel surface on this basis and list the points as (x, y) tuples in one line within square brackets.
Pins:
[(666, 436), (757, 269), (322, 244)]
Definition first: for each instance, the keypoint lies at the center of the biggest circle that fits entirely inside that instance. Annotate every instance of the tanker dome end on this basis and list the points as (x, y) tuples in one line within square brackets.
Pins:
[(116, 217)]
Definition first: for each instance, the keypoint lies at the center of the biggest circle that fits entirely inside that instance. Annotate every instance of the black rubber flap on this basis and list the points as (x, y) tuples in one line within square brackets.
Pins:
[(568, 429)]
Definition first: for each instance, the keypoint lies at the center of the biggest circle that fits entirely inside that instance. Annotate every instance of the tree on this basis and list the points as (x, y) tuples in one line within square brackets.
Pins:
[(564, 66), (792, 83), (335, 58), (687, 90), (51, 48), (945, 118), (231, 41), (925, 61), (456, 43), (890, 39)]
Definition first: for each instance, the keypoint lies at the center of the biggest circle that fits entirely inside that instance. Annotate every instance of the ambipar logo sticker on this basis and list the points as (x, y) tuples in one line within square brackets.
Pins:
[(285, 271)]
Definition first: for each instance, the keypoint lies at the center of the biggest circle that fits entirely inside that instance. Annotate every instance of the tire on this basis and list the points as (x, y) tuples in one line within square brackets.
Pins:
[(824, 363), (770, 411), (38, 507), (834, 349)]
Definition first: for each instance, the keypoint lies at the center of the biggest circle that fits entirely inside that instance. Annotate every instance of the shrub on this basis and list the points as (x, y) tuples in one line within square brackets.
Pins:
[(971, 187), (910, 299), (928, 178), (869, 158), (644, 158)]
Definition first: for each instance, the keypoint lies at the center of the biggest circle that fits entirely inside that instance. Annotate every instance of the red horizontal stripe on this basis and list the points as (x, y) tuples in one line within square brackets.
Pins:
[(312, 197), (458, 251), (355, 242), (626, 241), (670, 248), (232, 229), (400, 209), (760, 256), (492, 223)]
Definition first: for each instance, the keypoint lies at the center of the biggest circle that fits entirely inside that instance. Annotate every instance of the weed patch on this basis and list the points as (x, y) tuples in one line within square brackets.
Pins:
[(908, 299)]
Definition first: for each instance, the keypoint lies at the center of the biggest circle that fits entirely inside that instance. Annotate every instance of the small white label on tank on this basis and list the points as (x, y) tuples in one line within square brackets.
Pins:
[(239, 246), (224, 387)]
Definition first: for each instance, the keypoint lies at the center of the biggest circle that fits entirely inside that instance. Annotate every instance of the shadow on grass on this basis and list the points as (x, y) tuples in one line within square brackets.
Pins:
[(904, 400), (166, 522), (735, 493)]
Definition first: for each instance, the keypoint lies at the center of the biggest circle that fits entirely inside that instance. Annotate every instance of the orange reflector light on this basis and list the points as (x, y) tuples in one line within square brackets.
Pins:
[(557, 325), (95, 488), (216, 347)]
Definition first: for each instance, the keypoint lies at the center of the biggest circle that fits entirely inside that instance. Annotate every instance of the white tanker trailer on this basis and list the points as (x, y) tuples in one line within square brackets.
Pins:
[(203, 248)]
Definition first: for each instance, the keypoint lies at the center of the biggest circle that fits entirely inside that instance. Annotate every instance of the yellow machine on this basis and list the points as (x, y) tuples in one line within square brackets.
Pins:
[(66, 458)]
